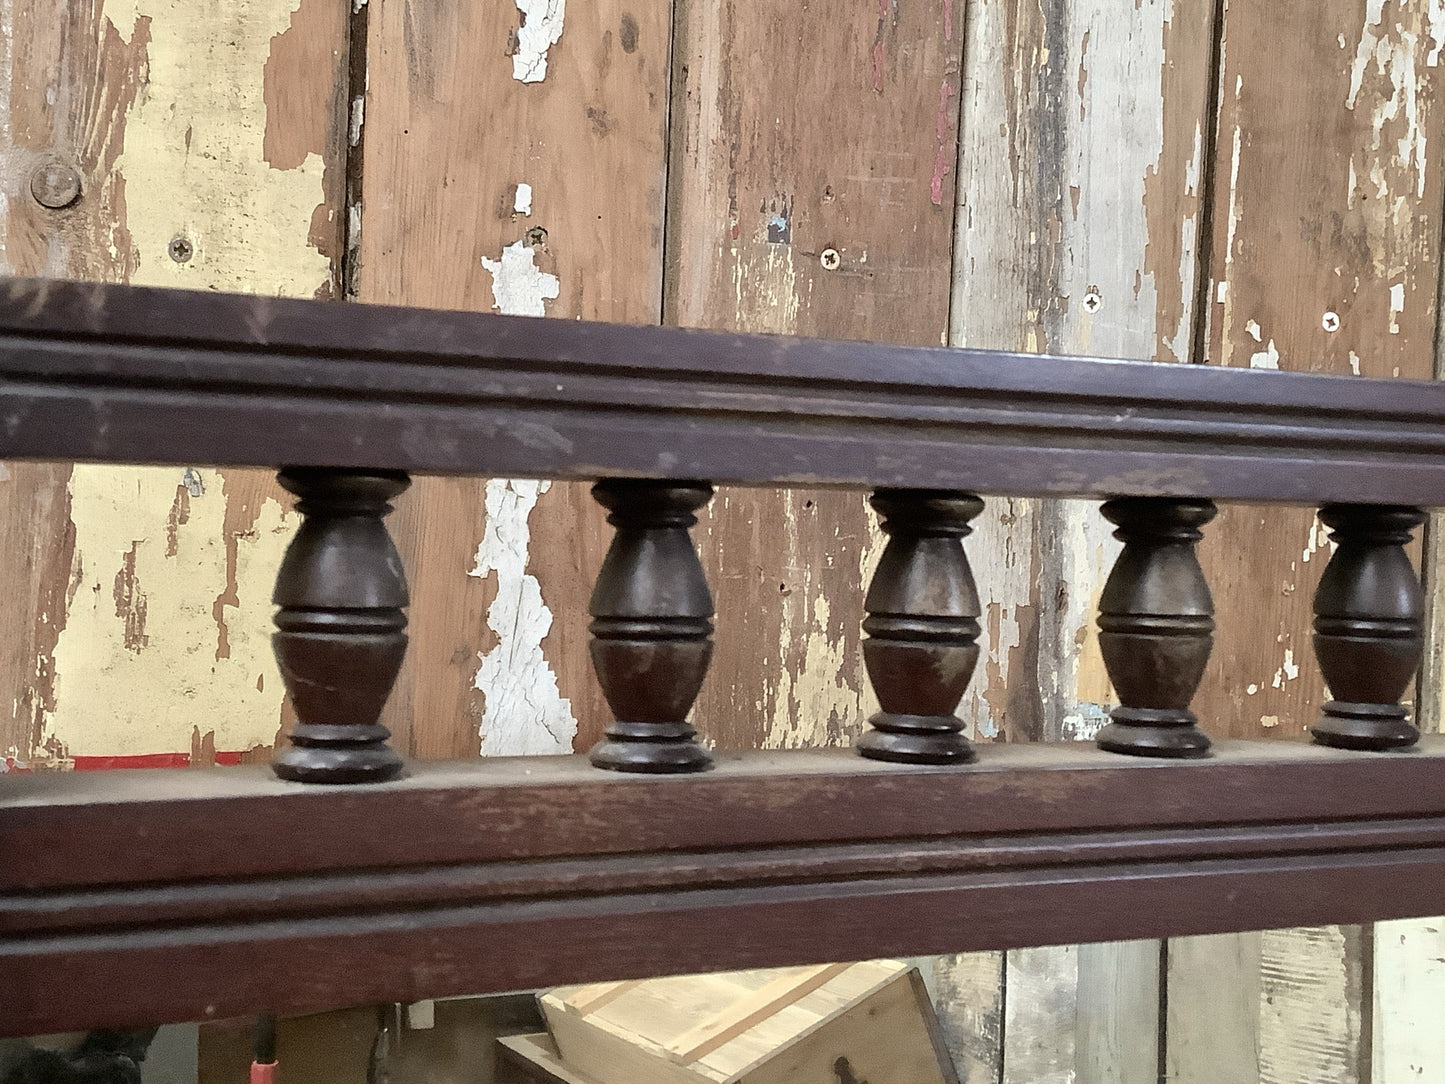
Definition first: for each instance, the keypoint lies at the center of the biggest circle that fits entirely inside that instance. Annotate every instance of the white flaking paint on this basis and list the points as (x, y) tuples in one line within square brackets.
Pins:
[(519, 286), (541, 29), (522, 202), (524, 714), (1397, 306), (1391, 51), (1268, 358), (1288, 670), (1409, 989), (1309, 1025)]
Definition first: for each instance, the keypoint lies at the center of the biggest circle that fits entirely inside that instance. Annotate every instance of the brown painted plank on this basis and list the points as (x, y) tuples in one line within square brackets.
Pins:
[(780, 223), (501, 570), (235, 166), (1325, 257)]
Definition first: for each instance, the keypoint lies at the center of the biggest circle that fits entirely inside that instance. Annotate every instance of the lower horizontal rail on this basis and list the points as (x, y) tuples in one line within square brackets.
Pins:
[(215, 893)]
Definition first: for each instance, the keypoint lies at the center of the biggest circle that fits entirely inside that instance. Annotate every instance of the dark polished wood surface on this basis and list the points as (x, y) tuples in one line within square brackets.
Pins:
[(214, 893), (134, 374)]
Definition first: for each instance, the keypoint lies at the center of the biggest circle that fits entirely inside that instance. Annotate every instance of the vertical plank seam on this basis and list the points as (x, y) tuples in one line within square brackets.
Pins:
[(1427, 707), (1161, 1023), (1208, 183), (665, 284), (953, 245), (357, 62)]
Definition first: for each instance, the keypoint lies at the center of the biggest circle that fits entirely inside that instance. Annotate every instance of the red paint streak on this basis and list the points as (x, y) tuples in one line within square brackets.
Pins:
[(947, 20), (146, 760), (10, 764), (946, 140)]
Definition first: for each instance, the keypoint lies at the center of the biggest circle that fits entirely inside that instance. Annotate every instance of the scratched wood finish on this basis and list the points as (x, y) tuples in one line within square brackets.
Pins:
[(501, 570), (223, 175), (1083, 139), (780, 223), (1324, 256)]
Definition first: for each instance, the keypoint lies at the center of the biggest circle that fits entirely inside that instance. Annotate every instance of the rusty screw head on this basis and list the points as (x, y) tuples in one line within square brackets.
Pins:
[(830, 259), (537, 237), (181, 250), (55, 184)]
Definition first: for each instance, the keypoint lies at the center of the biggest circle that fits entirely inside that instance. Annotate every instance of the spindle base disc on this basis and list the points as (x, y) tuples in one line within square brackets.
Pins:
[(1365, 727), (652, 757), (916, 739), (305, 763), (1154, 732)]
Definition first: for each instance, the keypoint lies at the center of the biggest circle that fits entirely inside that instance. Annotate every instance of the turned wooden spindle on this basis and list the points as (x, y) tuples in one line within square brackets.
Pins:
[(922, 627), (341, 627), (1369, 626), (651, 626), (1156, 626)]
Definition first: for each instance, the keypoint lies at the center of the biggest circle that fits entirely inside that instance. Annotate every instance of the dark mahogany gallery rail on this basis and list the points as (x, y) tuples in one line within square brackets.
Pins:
[(800, 857)]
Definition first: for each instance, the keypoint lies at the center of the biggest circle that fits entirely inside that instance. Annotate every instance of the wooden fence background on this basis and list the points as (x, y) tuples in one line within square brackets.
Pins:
[(1228, 182)]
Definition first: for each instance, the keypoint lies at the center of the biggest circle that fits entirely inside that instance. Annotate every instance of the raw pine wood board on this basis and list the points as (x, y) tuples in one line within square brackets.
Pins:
[(501, 570), (1324, 257), (1083, 141), (142, 596), (799, 131)]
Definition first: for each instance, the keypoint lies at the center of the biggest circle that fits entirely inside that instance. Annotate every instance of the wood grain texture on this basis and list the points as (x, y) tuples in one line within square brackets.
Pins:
[(516, 872), (241, 158), (1324, 257), (1080, 204), (779, 223), (501, 571)]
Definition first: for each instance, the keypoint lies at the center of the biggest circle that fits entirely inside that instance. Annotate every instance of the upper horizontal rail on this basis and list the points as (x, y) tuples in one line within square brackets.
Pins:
[(132, 374)]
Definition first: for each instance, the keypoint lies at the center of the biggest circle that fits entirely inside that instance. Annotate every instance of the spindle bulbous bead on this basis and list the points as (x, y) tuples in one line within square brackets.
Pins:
[(652, 626), (340, 636), (922, 627), (1156, 625), (1369, 627)]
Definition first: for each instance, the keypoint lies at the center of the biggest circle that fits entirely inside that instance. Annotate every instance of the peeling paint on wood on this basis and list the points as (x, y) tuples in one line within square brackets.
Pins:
[(525, 715), (239, 155), (1079, 217), (445, 224), (542, 23)]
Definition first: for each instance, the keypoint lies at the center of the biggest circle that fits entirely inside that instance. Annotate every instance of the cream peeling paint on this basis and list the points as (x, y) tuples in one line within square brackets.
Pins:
[(519, 286), (524, 714), (540, 30), (194, 167), (193, 162), (1389, 52), (115, 698), (522, 201), (1309, 1026), (1409, 1001)]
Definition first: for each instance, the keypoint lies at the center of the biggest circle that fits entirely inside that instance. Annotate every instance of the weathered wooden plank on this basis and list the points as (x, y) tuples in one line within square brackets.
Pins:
[(778, 223), (1325, 256), (1084, 132), (224, 174), (514, 162)]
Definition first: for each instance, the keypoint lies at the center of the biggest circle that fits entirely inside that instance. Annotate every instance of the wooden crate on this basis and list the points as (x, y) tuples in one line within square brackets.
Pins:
[(862, 1023)]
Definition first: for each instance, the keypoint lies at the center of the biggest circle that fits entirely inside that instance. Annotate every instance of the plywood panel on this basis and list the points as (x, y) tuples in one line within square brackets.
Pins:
[(1083, 145), (209, 153), (1324, 257), (811, 191), (514, 168)]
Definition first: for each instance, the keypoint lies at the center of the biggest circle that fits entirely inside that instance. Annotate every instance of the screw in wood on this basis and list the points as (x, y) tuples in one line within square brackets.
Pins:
[(1330, 321), (55, 184), (181, 250), (1093, 302), (830, 259)]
